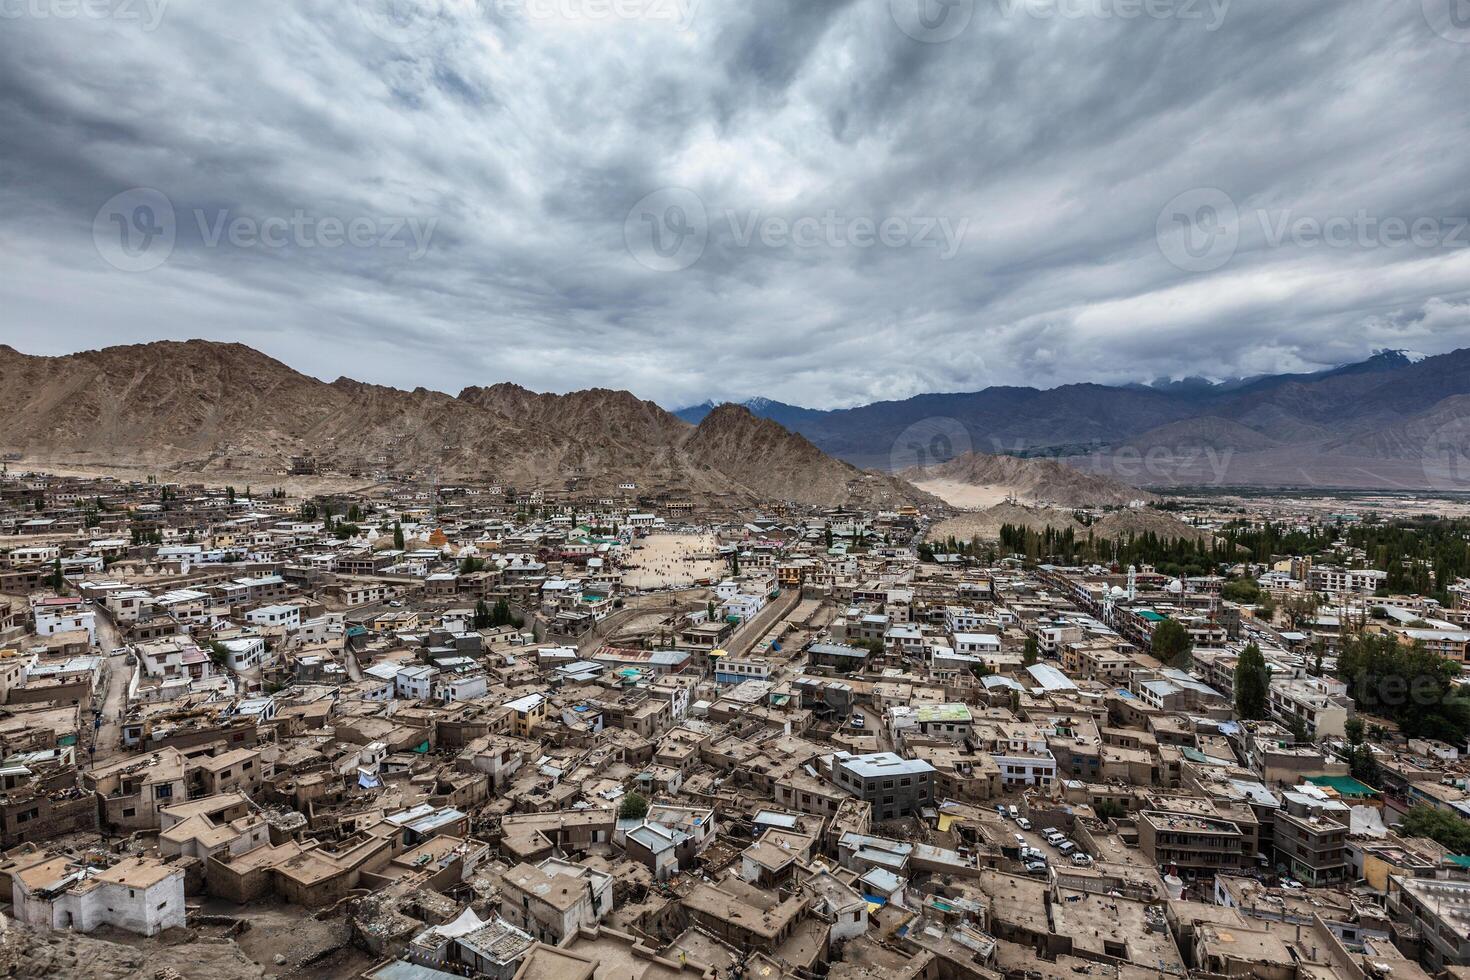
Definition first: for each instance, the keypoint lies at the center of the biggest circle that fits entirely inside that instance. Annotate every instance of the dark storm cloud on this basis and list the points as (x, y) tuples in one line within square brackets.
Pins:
[(840, 202)]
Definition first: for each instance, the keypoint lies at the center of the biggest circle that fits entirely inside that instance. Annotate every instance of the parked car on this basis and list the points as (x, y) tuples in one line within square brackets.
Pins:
[(1015, 814), (1082, 860), (1023, 823), (1066, 847)]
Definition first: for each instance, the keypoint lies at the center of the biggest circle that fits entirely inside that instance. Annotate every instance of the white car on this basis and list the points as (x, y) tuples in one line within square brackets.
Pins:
[(1023, 823), (1082, 860)]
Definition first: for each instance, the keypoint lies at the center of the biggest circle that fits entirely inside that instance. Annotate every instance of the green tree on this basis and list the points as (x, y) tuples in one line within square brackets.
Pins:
[(398, 535), (1242, 590), (1442, 827), (1252, 684), (1171, 643), (482, 615), (1353, 728), (1033, 651), (58, 580), (633, 807)]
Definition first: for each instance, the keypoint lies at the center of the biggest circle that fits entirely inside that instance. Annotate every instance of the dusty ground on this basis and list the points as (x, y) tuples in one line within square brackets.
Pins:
[(959, 494), (112, 955), (662, 561)]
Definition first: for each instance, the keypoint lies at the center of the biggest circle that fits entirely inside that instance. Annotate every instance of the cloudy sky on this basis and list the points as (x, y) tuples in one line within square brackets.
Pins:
[(826, 202)]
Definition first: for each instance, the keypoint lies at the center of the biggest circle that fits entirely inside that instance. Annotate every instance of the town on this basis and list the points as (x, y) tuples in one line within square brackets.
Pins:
[(427, 730)]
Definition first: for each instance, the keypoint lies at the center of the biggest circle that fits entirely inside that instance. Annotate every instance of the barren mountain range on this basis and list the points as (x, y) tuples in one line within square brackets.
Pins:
[(208, 408), (1394, 421)]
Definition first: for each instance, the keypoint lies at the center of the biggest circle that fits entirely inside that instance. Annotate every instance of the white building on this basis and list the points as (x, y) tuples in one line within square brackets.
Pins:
[(141, 895), (415, 682), (285, 616), (64, 615)]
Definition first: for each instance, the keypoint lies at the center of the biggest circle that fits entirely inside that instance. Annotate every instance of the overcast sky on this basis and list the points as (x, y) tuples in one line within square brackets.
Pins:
[(822, 202)]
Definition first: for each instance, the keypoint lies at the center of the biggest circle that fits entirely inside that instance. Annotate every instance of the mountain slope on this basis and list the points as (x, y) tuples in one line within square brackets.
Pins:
[(1034, 481), (203, 407)]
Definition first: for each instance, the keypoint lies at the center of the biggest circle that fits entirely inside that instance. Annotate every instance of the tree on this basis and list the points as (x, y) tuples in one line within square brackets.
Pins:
[(398, 535), (633, 807), (1033, 651), (1416, 688), (1439, 826), (1301, 609), (1363, 766), (229, 495), (1241, 590), (1171, 643), (1252, 684), (1353, 728), (482, 615), (829, 536), (58, 580)]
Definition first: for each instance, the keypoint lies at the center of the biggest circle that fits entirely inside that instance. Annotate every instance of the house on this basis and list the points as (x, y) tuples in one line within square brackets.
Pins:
[(140, 894), (555, 898)]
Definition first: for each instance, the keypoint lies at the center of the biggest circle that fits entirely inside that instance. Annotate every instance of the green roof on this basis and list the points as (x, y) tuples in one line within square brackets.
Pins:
[(1345, 785), (1463, 860)]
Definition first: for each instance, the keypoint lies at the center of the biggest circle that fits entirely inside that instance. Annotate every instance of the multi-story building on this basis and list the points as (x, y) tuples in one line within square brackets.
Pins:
[(1193, 845), (895, 786)]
